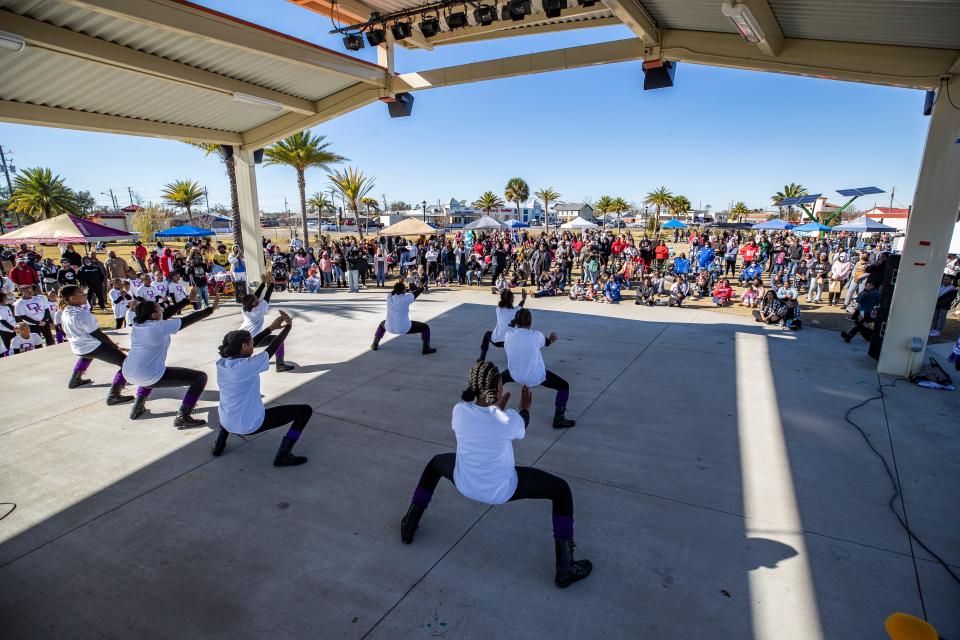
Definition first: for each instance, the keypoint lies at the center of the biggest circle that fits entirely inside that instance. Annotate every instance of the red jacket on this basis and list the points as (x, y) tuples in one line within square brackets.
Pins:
[(723, 292), (140, 253), (22, 274), (749, 252), (661, 252)]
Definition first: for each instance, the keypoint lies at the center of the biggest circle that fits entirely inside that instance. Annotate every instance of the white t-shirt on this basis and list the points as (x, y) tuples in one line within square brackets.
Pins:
[(147, 359), (7, 316), (147, 292), (485, 469), (253, 319), (398, 313), (504, 318), (241, 410), (34, 308), (78, 323), (119, 302), (178, 289), (161, 288), (523, 356), (19, 345), (131, 315)]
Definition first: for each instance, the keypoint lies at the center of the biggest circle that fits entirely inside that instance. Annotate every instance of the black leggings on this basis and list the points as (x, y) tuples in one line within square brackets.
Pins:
[(106, 352), (194, 380), (532, 484), (487, 341), (553, 381), (6, 337), (298, 414)]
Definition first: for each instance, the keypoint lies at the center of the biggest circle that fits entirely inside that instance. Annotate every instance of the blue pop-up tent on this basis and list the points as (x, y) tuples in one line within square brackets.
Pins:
[(812, 227), (516, 224), (774, 225), (673, 224), (184, 231)]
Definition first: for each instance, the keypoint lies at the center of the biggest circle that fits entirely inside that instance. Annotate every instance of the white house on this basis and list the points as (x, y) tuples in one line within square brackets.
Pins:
[(569, 210), (890, 216)]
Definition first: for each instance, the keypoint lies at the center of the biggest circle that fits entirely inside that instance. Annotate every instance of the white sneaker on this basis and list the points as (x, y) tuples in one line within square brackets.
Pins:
[(934, 333)]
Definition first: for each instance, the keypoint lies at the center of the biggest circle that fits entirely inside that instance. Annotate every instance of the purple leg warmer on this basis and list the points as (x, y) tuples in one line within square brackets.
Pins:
[(562, 396), (562, 526), (118, 378), (425, 334), (292, 433), (381, 330), (421, 497), (82, 365), (190, 400), (144, 392), (280, 353)]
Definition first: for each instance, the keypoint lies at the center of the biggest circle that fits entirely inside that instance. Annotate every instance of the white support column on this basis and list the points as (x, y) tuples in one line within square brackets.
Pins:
[(249, 214), (932, 218)]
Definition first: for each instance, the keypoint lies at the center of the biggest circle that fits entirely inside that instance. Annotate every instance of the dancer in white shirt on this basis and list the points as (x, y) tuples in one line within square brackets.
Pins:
[(254, 309), (505, 314), (398, 318), (483, 467)]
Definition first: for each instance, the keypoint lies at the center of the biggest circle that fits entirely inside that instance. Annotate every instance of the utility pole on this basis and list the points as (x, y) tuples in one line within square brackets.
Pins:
[(113, 198), (893, 190), (6, 171), (130, 193), (206, 198)]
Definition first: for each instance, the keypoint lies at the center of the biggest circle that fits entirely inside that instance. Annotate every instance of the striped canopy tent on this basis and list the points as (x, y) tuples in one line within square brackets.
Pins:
[(408, 227), (65, 228)]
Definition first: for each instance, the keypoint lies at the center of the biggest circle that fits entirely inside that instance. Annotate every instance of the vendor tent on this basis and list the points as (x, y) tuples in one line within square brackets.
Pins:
[(184, 231), (863, 224), (65, 228), (408, 227), (579, 223), (485, 222), (774, 225), (673, 224), (812, 227)]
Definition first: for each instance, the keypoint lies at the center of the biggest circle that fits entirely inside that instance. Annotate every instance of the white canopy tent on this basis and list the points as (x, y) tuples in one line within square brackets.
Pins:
[(579, 223)]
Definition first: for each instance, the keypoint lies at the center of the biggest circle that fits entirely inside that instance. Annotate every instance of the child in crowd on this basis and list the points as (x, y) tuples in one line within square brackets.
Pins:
[(54, 312), (176, 289), (751, 297), (791, 316), (24, 340), (120, 298), (577, 291), (442, 280), (679, 291), (313, 283), (296, 280)]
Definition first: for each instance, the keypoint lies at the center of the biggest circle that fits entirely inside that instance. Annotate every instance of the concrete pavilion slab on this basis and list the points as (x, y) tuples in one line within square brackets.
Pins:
[(718, 490)]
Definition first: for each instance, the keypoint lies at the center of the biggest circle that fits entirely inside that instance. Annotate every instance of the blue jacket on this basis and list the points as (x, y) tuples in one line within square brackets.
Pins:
[(681, 265), (612, 288), (706, 257)]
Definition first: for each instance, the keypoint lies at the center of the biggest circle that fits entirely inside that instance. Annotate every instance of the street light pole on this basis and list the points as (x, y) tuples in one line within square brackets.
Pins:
[(424, 211), (6, 171)]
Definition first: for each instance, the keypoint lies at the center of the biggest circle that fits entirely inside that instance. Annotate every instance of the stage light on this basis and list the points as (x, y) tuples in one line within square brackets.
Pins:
[(743, 20), (586, 3), (401, 30), (376, 37), (429, 27), (552, 8), (11, 41), (457, 20), (485, 15), (517, 10), (658, 74), (353, 41)]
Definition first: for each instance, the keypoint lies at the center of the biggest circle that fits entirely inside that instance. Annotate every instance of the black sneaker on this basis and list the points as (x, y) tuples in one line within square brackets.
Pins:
[(288, 460)]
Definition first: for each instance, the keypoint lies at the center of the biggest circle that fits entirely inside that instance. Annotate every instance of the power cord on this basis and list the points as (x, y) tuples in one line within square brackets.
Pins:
[(13, 507), (895, 483)]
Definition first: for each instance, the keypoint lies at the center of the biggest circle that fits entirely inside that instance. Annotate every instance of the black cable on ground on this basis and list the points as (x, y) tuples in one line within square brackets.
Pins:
[(12, 505), (896, 485)]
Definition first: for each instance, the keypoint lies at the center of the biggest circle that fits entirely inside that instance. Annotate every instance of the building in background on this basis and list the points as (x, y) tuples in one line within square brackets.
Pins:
[(890, 216), (569, 210)]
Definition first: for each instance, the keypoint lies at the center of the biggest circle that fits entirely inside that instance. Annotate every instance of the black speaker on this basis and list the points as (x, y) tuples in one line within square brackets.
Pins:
[(890, 272), (258, 156), (928, 99), (402, 106), (658, 77), (227, 151)]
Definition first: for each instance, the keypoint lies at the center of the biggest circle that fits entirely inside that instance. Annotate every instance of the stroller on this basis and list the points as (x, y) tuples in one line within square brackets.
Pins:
[(279, 273)]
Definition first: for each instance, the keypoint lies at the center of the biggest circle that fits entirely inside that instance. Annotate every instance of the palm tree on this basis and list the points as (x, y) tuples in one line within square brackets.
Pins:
[(548, 195), (516, 191), (227, 159), (368, 205), (40, 194), (488, 201), (319, 202), (184, 194), (354, 187), (739, 210), (792, 190), (302, 151), (679, 205), (660, 198), (602, 207), (619, 206)]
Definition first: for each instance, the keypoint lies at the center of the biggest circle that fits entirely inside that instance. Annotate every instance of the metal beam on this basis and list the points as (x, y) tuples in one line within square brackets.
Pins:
[(67, 42), (23, 113), (549, 27), (354, 11), (632, 14), (182, 17), (772, 35), (339, 103), (523, 27)]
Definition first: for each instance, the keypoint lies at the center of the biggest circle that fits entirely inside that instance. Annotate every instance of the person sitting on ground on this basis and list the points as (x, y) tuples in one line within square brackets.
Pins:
[(770, 309), (646, 292), (750, 297), (701, 285), (788, 291), (611, 290), (547, 284), (577, 291), (679, 291), (867, 302), (791, 315), (723, 293), (681, 266), (751, 272)]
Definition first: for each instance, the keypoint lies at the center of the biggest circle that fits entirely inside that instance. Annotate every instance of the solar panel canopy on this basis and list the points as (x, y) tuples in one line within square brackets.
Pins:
[(808, 199), (861, 191)]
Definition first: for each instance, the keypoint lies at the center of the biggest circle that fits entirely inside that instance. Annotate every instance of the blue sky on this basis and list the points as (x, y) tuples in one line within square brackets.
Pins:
[(717, 136)]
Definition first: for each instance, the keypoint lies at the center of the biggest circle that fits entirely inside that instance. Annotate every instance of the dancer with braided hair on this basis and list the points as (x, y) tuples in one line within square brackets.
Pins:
[(505, 314), (525, 364), (253, 309), (398, 317), (483, 468), (89, 342), (238, 377)]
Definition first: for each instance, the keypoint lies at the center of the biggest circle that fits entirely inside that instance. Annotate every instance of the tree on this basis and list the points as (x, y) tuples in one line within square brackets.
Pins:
[(619, 206), (86, 203), (661, 199), (488, 201), (354, 187), (183, 194), (319, 202), (548, 195), (39, 194), (679, 205), (303, 151), (400, 205), (791, 190), (739, 210), (516, 191), (227, 160), (369, 204), (148, 220), (602, 207)]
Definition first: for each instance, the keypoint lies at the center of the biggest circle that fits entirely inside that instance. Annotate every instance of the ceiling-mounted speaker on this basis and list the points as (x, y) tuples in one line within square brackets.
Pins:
[(402, 105)]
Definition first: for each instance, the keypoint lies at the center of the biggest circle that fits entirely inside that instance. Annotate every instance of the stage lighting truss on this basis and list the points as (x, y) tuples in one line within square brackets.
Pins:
[(353, 41), (457, 19), (401, 30), (429, 26), (485, 14), (553, 8)]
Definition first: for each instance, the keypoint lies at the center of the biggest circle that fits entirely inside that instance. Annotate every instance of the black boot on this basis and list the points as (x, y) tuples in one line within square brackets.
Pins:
[(283, 366), (139, 407), (115, 397), (77, 380), (568, 569), (284, 457), (560, 421), (427, 349), (410, 522), (221, 442), (185, 421)]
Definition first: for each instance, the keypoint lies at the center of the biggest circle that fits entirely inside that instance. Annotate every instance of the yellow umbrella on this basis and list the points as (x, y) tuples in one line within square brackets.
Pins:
[(408, 227)]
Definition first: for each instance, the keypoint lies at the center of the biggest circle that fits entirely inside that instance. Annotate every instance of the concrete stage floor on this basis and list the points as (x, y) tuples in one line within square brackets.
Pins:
[(718, 490)]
